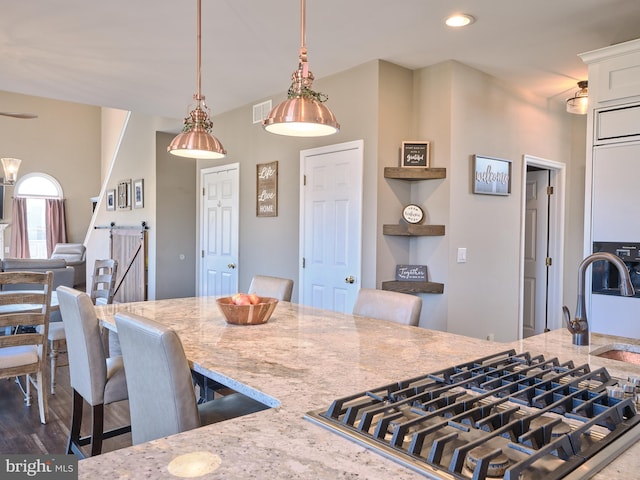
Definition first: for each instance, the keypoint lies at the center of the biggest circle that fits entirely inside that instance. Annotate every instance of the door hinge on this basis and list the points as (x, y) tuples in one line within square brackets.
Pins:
[(203, 191), (303, 262), (304, 180), (549, 190), (202, 254), (548, 261)]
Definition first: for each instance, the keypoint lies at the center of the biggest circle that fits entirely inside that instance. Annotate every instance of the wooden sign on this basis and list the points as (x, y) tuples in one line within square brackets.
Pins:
[(415, 154), (267, 189), (411, 273)]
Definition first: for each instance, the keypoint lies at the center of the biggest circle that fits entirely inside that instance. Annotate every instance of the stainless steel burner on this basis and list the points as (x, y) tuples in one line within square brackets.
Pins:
[(508, 415)]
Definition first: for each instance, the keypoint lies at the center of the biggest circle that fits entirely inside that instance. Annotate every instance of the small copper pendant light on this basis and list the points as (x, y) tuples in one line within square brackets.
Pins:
[(196, 141), (303, 114)]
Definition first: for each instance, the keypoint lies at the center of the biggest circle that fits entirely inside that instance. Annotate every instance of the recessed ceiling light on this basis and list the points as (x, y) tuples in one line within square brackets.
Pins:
[(459, 20)]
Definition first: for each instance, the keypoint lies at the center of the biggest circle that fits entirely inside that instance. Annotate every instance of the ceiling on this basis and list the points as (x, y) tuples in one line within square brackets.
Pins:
[(141, 55)]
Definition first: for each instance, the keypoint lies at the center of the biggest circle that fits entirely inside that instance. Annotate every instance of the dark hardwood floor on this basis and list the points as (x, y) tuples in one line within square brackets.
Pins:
[(22, 432)]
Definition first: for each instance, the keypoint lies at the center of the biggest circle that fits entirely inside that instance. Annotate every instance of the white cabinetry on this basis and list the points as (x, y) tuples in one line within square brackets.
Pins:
[(613, 172)]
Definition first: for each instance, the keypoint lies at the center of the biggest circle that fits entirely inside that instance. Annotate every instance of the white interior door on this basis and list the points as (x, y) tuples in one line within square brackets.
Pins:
[(535, 253), (219, 225), (331, 225)]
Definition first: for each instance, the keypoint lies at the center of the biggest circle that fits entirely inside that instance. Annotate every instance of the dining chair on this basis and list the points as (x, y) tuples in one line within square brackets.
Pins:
[(102, 287), (26, 314), (162, 400), (275, 287), (387, 305), (96, 379)]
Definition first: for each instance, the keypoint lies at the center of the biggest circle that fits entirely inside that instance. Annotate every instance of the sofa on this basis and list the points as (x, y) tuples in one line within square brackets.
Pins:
[(75, 256), (62, 274)]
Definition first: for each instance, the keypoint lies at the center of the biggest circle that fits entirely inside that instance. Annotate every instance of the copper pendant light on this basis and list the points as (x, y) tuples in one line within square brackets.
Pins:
[(196, 141), (303, 114)]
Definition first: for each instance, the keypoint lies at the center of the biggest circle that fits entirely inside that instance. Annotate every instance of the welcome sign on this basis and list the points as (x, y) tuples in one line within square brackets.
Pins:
[(491, 176)]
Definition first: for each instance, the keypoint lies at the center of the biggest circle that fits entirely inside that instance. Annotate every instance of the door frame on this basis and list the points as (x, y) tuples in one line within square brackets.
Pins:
[(556, 239), (201, 217), (352, 145)]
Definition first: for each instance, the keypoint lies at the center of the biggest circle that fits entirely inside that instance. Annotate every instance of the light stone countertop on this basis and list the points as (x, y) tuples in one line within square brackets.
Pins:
[(299, 361)]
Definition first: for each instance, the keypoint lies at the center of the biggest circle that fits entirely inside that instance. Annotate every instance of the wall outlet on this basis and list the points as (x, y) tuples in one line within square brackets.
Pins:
[(462, 255)]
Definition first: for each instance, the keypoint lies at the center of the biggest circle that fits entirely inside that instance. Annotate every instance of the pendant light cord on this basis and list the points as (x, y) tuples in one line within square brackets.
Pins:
[(198, 96)]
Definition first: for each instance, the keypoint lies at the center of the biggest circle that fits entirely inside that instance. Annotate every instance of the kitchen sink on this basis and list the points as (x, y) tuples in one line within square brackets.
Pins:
[(623, 352)]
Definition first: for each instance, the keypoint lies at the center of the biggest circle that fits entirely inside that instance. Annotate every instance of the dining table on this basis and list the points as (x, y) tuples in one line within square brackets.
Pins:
[(297, 362)]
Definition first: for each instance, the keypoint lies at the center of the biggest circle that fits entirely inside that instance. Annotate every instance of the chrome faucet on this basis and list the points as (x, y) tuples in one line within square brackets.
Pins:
[(579, 326)]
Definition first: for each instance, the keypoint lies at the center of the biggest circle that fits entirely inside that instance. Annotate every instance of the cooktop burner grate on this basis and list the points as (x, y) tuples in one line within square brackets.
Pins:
[(507, 415)]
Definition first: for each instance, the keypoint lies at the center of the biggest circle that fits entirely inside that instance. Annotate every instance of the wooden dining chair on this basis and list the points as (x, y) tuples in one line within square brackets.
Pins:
[(96, 379), (162, 400), (275, 287), (102, 291), (25, 313), (386, 305)]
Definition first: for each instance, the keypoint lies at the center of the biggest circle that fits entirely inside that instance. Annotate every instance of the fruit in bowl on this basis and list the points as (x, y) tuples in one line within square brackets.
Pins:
[(246, 309)]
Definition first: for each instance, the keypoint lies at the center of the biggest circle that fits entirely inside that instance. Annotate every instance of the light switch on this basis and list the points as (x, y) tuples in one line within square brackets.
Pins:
[(462, 255)]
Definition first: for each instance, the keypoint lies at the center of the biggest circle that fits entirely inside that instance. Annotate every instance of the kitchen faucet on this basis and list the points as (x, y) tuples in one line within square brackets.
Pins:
[(579, 326)]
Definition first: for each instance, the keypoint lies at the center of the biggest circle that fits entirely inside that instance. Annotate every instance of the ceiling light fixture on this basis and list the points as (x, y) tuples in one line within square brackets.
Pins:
[(579, 103), (10, 167), (303, 114), (459, 20), (196, 140)]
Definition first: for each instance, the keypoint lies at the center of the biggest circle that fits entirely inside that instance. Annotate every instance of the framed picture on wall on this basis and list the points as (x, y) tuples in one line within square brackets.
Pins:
[(111, 200), (138, 193), (124, 195), (267, 189)]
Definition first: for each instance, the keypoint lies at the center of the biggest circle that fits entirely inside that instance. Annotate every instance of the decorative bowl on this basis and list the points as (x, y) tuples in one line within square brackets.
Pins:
[(247, 314)]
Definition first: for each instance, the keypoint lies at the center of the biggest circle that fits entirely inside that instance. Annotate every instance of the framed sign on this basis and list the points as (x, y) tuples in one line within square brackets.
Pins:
[(267, 189), (415, 154), (491, 176), (411, 273)]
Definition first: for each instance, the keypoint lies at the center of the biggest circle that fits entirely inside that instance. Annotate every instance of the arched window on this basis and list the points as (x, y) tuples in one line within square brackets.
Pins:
[(36, 188)]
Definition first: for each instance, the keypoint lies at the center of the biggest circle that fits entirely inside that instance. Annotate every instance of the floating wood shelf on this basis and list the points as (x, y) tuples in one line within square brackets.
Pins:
[(404, 173), (413, 287), (409, 230)]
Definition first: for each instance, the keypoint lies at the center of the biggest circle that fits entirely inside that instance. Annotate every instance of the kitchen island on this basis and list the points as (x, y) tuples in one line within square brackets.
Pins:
[(299, 361)]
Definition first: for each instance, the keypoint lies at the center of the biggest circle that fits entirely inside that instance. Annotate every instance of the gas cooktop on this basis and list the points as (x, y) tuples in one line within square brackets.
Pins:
[(507, 415)]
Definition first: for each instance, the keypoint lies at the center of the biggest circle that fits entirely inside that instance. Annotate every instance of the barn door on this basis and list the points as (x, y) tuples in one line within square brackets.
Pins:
[(129, 248)]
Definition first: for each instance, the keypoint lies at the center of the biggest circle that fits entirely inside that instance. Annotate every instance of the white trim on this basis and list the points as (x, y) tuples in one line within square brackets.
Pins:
[(556, 244)]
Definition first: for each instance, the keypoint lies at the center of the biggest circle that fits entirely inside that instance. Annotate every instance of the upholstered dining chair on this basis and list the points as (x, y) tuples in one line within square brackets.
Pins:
[(162, 400), (386, 305), (25, 313), (275, 287), (94, 378), (102, 290)]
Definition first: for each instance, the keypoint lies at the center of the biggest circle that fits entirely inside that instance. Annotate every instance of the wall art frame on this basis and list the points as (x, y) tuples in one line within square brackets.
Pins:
[(415, 154), (124, 195), (491, 176), (138, 193), (267, 189), (111, 200)]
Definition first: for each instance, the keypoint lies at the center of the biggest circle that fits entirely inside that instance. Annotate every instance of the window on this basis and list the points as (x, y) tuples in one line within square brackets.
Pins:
[(36, 187)]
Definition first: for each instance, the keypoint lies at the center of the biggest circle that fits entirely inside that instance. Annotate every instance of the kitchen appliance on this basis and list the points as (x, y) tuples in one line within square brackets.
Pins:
[(506, 415), (605, 277)]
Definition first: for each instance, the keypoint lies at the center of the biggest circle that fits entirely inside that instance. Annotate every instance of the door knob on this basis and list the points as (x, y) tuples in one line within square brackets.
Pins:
[(350, 279), (231, 266)]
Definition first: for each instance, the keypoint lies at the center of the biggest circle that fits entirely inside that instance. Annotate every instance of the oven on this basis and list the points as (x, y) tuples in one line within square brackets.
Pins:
[(605, 278), (507, 415)]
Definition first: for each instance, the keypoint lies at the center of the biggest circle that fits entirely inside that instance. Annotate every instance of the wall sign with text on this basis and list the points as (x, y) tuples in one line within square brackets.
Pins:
[(267, 189), (491, 176), (415, 154)]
